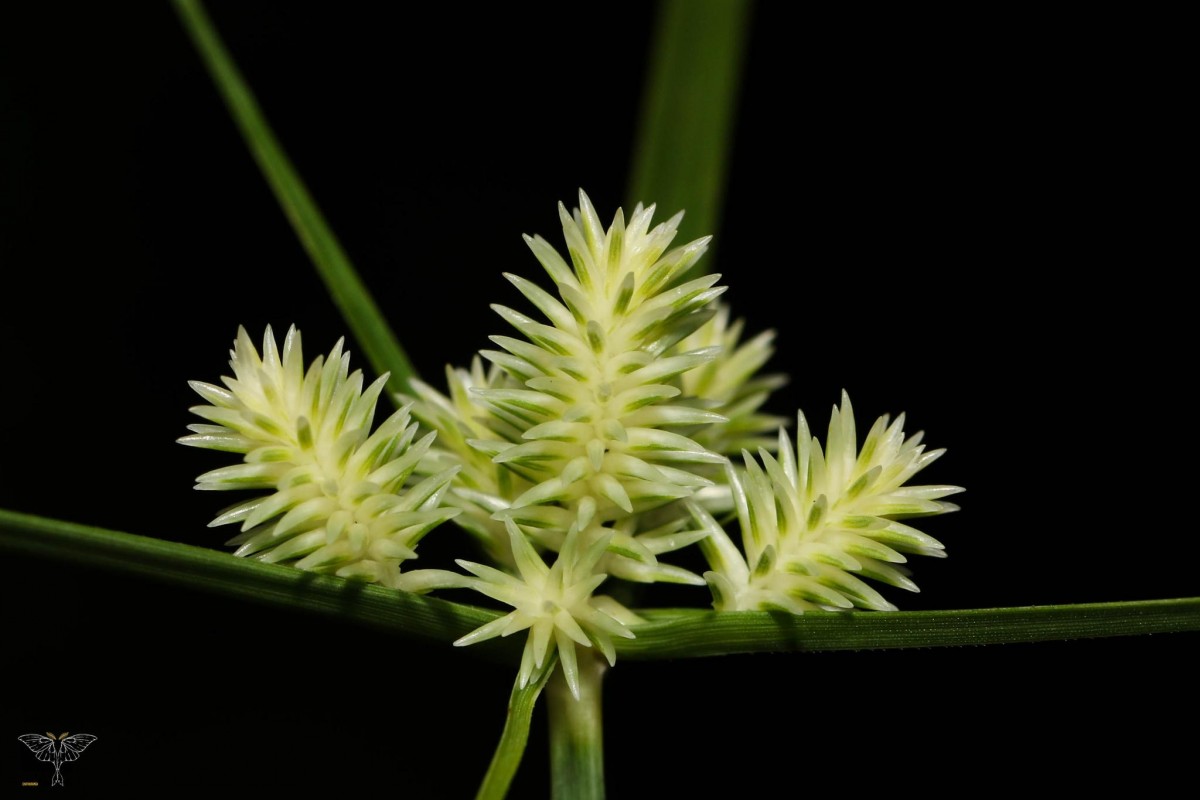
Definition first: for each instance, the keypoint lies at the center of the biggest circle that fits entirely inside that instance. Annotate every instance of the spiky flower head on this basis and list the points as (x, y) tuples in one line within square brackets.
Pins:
[(731, 386), (336, 499), (813, 522), (556, 603), (481, 488), (595, 407), (589, 406)]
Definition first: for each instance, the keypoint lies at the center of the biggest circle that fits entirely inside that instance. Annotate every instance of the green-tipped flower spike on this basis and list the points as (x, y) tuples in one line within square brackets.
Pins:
[(338, 502), (731, 386), (481, 488), (599, 391), (554, 603), (813, 524)]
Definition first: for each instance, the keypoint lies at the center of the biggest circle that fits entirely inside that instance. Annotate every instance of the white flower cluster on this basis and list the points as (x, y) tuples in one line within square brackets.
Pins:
[(338, 501), (597, 441), (813, 522)]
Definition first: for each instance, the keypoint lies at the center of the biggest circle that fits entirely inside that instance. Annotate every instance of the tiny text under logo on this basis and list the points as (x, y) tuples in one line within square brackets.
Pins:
[(57, 750)]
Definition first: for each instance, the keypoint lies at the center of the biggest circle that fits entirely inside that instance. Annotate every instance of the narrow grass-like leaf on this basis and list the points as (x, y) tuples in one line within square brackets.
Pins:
[(359, 310), (672, 633), (688, 110), (224, 574), (688, 633)]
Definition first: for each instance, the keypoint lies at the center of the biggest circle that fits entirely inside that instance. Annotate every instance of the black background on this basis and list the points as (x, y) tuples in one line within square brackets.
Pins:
[(977, 220)]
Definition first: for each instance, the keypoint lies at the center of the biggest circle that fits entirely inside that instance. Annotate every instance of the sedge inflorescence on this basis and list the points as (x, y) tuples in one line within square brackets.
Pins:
[(580, 422), (815, 522), (337, 497), (589, 446)]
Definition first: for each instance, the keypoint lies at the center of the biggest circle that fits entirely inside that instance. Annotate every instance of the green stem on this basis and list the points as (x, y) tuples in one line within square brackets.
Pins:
[(689, 633), (223, 574), (688, 110), (681, 633), (364, 318), (515, 736), (577, 732)]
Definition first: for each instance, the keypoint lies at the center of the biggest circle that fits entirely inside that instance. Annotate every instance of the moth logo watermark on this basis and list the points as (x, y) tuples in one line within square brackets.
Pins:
[(57, 750)]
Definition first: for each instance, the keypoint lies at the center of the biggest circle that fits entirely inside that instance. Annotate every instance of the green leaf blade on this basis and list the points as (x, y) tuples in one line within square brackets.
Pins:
[(349, 294), (688, 110), (246, 579), (678, 633), (689, 633)]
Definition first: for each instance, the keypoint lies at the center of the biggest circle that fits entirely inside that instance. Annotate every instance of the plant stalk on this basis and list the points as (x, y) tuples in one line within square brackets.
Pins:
[(667, 633), (509, 752), (577, 732)]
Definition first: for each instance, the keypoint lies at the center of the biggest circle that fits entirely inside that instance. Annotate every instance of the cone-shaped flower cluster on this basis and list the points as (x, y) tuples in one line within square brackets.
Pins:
[(731, 386), (481, 488), (587, 415), (337, 500), (595, 404), (590, 403), (814, 523)]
